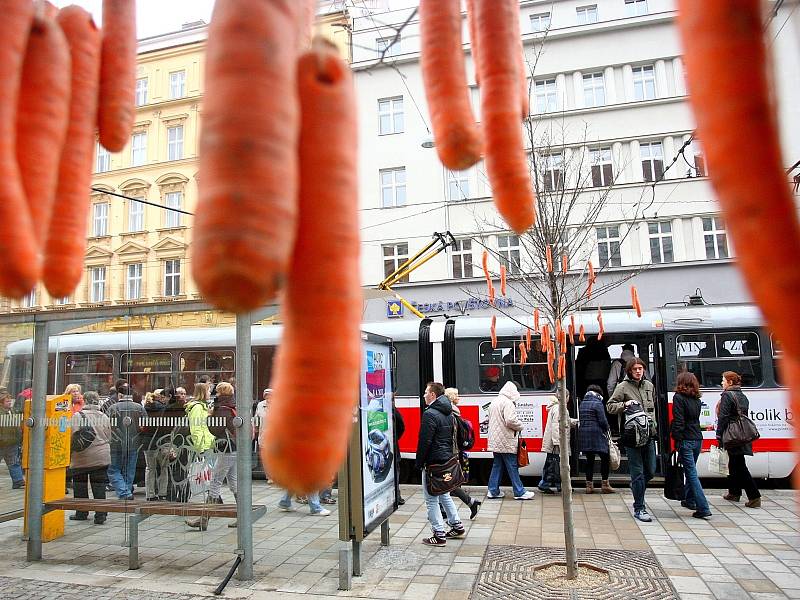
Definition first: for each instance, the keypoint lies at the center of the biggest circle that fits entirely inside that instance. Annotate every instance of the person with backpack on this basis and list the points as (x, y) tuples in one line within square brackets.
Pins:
[(90, 454), (551, 444), (465, 439), (617, 373), (593, 438), (634, 398)]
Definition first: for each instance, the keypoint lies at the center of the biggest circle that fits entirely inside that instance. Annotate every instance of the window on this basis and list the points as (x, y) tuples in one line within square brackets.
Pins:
[(393, 187), (177, 84), (503, 363), (545, 96), (644, 83), (777, 359), (634, 8), (587, 14), (699, 158), (91, 371), (540, 22), (462, 259), (602, 169), (175, 143), (709, 355), (219, 365), (508, 248), (388, 46), (652, 161), (103, 163), (62, 301), (99, 219), (135, 216), (97, 284), (660, 242), (141, 91), (594, 90), (608, 241), (172, 277), (133, 281), (458, 185), (390, 115), (147, 371), (553, 172), (394, 255), (173, 200), (29, 300), (715, 238), (139, 149)]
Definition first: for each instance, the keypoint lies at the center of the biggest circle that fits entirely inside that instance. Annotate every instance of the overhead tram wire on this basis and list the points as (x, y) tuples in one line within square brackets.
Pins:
[(142, 200)]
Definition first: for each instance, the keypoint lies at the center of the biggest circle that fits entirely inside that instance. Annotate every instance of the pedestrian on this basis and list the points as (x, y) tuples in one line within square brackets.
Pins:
[(90, 465), (201, 441), (172, 440), (551, 444), (312, 499), (686, 432), (463, 456), (125, 415), (733, 402), (10, 438), (222, 428), (75, 391), (262, 410), (119, 391), (437, 445), (504, 429), (617, 373), (156, 474), (593, 438), (635, 391)]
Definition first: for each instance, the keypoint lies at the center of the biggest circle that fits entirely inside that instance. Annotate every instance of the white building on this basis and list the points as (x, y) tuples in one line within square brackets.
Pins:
[(610, 80)]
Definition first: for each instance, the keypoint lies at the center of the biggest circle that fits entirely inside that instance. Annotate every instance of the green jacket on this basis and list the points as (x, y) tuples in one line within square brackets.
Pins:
[(199, 435), (642, 392)]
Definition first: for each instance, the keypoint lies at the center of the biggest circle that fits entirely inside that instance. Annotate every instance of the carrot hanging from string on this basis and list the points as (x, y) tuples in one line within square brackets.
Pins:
[(600, 323), (550, 373), (582, 334), (523, 355), (493, 331), (536, 319), (563, 339), (564, 263), (592, 278), (549, 256), (562, 367), (558, 331), (635, 301), (491, 293), (503, 280), (571, 329)]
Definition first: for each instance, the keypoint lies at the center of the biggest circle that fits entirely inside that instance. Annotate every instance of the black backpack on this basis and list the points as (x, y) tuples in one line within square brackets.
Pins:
[(465, 434)]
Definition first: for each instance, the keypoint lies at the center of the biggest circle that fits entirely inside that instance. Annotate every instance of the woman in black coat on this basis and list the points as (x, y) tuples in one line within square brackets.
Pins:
[(593, 437), (739, 477)]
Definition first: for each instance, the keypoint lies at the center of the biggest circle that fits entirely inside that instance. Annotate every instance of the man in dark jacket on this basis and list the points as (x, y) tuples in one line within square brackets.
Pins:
[(116, 393), (125, 416), (435, 446)]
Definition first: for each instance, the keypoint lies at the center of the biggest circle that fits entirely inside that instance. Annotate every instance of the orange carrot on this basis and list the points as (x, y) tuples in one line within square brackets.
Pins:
[(564, 263), (550, 372), (458, 140), (635, 301), (581, 334), (592, 278), (248, 154), (50, 10), (563, 340), (327, 242), (42, 118), (571, 330), (562, 367), (493, 331), (545, 333), (116, 109), (506, 160), (503, 280), (528, 338), (549, 255), (600, 323), (536, 319), (491, 293), (572, 322), (523, 355), (66, 239), (485, 265), (558, 331)]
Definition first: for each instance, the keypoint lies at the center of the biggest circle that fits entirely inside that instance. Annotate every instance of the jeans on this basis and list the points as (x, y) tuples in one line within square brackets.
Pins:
[(605, 465), (435, 515), (156, 475), (689, 450), (313, 502), (225, 466), (642, 467), (739, 478), (11, 455), (81, 478), (122, 470), (509, 462)]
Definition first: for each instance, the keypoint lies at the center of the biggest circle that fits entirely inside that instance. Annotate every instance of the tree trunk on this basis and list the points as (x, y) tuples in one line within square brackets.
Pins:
[(566, 482)]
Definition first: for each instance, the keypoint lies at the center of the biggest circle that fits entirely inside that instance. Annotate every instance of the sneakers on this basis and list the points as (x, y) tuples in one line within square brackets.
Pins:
[(435, 540), (455, 532), (643, 516), (473, 509), (18, 485), (731, 497), (526, 496), (491, 496), (321, 513), (701, 515), (285, 508), (328, 500)]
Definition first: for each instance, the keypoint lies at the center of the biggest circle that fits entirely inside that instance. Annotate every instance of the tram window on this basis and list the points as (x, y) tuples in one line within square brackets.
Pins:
[(709, 355), (502, 364), (777, 359), (219, 365), (93, 371), (406, 368), (147, 371)]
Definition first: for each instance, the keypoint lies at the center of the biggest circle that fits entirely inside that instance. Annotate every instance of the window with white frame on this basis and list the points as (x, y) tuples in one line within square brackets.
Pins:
[(644, 82), (700, 169), (634, 8), (393, 187), (175, 142), (608, 242), (660, 233), (594, 90), (602, 168), (461, 253), (99, 219), (715, 237), (139, 149), (388, 46), (97, 284), (394, 255), (141, 91), (587, 14), (458, 185), (172, 218), (390, 115), (133, 281), (29, 299), (652, 154), (62, 301), (540, 22), (135, 216), (553, 172), (172, 277), (103, 163), (545, 95), (509, 250), (177, 84)]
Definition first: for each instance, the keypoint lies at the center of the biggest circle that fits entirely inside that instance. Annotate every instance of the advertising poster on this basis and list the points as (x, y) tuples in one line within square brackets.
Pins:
[(529, 411), (377, 434)]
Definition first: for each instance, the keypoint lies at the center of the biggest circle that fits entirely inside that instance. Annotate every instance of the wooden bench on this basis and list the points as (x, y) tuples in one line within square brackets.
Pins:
[(142, 509)]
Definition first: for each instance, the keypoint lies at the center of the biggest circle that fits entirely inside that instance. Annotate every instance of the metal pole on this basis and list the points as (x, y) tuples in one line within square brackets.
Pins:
[(244, 453), (36, 424), (385, 533)]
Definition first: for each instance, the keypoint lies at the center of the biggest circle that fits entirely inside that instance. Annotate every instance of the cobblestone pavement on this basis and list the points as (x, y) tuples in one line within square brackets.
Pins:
[(739, 553)]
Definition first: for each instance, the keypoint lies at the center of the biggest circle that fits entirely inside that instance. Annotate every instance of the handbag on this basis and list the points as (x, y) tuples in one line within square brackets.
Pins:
[(445, 477), (674, 483), (740, 430), (613, 453), (522, 454), (718, 461), (83, 436)]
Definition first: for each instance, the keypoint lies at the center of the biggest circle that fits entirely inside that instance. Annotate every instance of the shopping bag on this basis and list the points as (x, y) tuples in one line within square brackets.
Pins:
[(718, 461), (613, 453), (199, 477), (522, 454), (674, 483)]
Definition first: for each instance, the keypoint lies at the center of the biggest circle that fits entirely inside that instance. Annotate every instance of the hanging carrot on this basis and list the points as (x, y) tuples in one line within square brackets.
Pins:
[(550, 372), (491, 293), (571, 329), (562, 367), (493, 331), (635, 301), (564, 263), (528, 338), (572, 322), (600, 323), (563, 339), (536, 319), (523, 355), (549, 255), (558, 331), (546, 332), (503, 280), (582, 334)]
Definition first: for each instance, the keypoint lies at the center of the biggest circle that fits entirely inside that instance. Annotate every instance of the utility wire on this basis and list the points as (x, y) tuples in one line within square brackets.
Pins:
[(177, 210)]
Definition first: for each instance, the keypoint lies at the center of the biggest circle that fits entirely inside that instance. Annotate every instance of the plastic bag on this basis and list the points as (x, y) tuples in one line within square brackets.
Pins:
[(718, 461), (199, 477)]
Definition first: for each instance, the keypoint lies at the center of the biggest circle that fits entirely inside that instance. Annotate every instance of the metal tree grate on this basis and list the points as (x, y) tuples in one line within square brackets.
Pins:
[(508, 572)]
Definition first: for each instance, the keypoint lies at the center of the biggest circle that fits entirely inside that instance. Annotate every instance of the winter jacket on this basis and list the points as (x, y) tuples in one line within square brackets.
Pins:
[(10, 428), (124, 434), (685, 418), (435, 445), (222, 427), (727, 412), (503, 422), (594, 425), (552, 434), (200, 437), (617, 368), (148, 435), (98, 454), (642, 392), (399, 423)]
